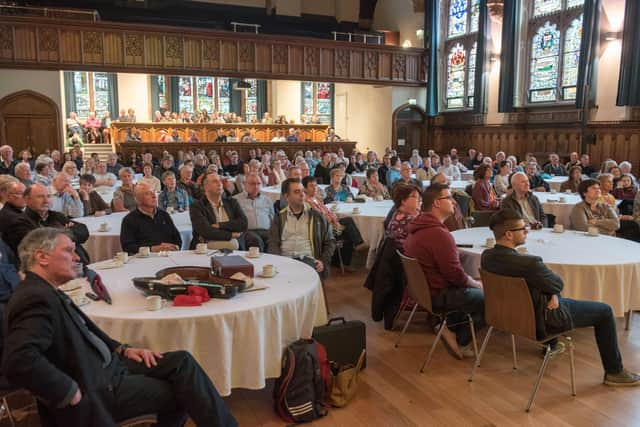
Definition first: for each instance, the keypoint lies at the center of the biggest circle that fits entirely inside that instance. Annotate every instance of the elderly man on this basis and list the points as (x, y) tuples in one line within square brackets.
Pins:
[(574, 160), (113, 166), (510, 231), (64, 198), (186, 183), (585, 164), (11, 213), (7, 162), (536, 183), (216, 220), (43, 171), (405, 176), (258, 209), (234, 167), (80, 375), (449, 170), (103, 177), (554, 167), (148, 226), (525, 202), (301, 232), (22, 171)]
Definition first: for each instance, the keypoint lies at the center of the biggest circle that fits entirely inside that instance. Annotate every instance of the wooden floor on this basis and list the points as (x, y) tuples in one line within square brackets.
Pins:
[(393, 392)]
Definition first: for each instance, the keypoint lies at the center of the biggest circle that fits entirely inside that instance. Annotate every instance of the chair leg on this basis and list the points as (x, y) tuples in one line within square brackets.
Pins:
[(324, 295), (406, 325), (627, 319), (473, 335), (403, 306), (536, 386), (513, 348), (340, 259), (476, 363), (572, 366), (433, 346), (5, 412)]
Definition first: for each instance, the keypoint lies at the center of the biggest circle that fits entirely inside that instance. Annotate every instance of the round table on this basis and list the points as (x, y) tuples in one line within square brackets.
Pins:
[(561, 210), (556, 181), (105, 244), (370, 221), (239, 341), (275, 191), (453, 185), (600, 268)]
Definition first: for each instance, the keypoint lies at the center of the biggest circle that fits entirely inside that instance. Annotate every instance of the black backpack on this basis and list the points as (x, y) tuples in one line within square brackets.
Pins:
[(300, 391)]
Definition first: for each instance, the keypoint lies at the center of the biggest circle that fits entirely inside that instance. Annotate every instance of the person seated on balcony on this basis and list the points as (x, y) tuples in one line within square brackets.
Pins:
[(123, 198), (122, 117), (266, 118), (164, 136), (92, 126), (331, 135), (291, 137), (92, 202), (220, 137), (104, 178), (279, 137), (172, 196), (74, 125), (105, 125), (133, 135)]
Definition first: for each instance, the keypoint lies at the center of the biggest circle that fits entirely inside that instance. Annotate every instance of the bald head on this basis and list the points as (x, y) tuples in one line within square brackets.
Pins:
[(520, 183), (61, 181), (145, 197), (37, 198)]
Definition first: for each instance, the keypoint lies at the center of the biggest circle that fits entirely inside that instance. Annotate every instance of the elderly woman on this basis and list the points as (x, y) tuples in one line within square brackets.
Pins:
[(276, 173), (501, 180), (124, 198), (337, 191), (591, 213), (407, 201), (372, 160), (149, 179), (372, 187), (71, 169), (426, 172), (606, 185), (484, 198), (575, 178)]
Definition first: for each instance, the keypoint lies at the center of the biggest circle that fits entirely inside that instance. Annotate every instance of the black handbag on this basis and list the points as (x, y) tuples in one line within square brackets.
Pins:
[(558, 320)]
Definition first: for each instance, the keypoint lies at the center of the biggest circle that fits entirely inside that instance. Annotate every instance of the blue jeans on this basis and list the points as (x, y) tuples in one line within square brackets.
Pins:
[(464, 300), (599, 315)]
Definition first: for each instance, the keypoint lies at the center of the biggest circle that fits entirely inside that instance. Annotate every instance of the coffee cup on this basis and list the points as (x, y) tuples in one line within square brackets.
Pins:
[(490, 242), (562, 199), (170, 210), (144, 251), (356, 210), (254, 251), (593, 231), (268, 270), (379, 198), (522, 249), (349, 199), (334, 207), (104, 226), (155, 302), (568, 191), (554, 191), (122, 257), (201, 248), (558, 228)]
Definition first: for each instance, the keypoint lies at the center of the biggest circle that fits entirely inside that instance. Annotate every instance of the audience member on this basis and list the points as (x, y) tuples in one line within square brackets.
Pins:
[(393, 174), (433, 246), (92, 202), (574, 160), (104, 178), (23, 173), (172, 196), (554, 167), (301, 232), (148, 178), (64, 198), (572, 184), (372, 187), (186, 183), (43, 171), (124, 198), (12, 192), (585, 164), (148, 226), (113, 166), (276, 173), (405, 177), (7, 162), (450, 171), (323, 169), (215, 218), (337, 191), (591, 213), (407, 200), (458, 220), (606, 185), (258, 209), (525, 202), (501, 180), (545, 287), (536, 183), (484, 197)]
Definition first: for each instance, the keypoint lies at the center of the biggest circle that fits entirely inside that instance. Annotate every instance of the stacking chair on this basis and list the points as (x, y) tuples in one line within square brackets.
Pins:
[(515, 318), (418, 288)]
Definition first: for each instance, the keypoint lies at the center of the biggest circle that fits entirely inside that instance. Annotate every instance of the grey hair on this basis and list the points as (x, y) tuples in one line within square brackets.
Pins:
[(126, 169), (44, 239), (6, 182)]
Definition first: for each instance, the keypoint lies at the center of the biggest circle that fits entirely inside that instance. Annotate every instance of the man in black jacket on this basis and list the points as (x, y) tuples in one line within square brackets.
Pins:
[(81, 375), (216, 218), (510, 230), (11, 212)]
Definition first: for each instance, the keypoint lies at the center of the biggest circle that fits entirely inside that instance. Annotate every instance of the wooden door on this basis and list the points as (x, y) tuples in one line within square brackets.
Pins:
[(29, 120), (409, 130)]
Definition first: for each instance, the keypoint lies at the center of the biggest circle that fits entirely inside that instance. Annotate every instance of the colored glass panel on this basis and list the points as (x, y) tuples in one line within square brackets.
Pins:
[(251, 101), (100, 93), (224, 95), (471, 79), (545, 7), (162, 91), (307, 98), (324, 97), (206, 94), (81, 88), (457, 18), (571, 58), (574, 3), (185, 94), (456, 63), (475, 16), (544, 61)]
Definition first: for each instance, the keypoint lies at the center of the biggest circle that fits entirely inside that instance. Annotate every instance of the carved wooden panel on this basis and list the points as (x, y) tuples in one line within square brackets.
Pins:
[(106, 46)]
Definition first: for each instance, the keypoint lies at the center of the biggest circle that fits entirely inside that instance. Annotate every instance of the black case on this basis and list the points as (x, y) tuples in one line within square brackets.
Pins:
[(343, 340)]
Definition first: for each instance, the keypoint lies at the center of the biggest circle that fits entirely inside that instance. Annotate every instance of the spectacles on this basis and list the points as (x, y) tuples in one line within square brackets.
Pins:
[(526, 227), (446, 197)]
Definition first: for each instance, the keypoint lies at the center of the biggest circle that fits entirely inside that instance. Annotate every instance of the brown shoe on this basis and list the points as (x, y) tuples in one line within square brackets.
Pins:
[(451, 344), (622, 379)]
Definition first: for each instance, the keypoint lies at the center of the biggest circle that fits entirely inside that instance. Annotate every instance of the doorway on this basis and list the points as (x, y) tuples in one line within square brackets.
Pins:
[(409, 130), (29, 121)]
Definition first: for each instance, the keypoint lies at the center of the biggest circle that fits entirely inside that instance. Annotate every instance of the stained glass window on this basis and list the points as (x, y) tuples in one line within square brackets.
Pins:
[(317, 100), (456, 70), (471, 78), (545, 7), (544, 63), (571, 60), (206, 94), (457, 18), (475, 16), (185, 94), (574, 3), (92, 93), (224, 95), (251, 101), (162, 91)]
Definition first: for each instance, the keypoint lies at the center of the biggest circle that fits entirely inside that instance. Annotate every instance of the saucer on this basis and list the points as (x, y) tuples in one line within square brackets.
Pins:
[(80, 301), (586, 233), (557, 232), (99, 230), (252, 256), (267, 277)]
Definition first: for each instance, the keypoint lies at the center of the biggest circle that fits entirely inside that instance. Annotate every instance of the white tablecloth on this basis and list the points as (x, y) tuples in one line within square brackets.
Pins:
[(561, 210), (601, 268), (453, 185), (105, 244), (274, 191), (467, 176), (370, 222), (239, 341), (556, 181)]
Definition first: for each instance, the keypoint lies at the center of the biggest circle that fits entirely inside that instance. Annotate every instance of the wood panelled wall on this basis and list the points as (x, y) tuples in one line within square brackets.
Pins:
[(617, 140), (119, 47)]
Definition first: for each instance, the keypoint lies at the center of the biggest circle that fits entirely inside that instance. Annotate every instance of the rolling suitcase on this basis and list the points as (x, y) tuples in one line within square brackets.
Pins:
[(343, 340)]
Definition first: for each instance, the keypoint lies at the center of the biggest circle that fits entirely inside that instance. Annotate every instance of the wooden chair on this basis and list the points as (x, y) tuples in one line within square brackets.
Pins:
[(515, 318), (418, 288), (139, 421)]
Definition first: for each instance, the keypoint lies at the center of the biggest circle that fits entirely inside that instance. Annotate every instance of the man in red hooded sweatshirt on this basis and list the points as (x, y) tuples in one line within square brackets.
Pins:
[(430, 242)]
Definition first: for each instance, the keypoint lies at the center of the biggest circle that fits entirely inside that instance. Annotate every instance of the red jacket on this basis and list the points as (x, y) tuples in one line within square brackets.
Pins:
[(430, 242)]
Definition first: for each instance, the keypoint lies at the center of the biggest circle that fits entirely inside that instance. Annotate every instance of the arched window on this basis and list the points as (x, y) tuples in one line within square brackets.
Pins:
[(194, 94), (460, 47), (555, 30), (317, 100), (89, 91)]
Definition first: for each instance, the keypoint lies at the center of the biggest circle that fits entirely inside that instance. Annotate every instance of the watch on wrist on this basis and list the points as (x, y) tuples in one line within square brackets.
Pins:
[(123, 349)]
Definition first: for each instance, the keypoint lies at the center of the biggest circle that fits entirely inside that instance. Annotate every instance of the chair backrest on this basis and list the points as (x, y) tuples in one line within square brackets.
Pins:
[(507, 304), (464, 201), (482, 218), (417, 283)]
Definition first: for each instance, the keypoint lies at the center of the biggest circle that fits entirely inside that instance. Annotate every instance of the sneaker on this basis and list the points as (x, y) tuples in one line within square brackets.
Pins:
[(467, 351), (556, 349), (451, 344), (622, 379)]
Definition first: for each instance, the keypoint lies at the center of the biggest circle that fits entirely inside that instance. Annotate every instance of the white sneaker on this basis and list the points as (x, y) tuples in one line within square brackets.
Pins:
[(467, 351)]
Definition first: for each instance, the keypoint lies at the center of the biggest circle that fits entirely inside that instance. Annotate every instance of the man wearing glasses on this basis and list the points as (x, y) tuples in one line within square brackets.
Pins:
[(545, 286), (430, 242)]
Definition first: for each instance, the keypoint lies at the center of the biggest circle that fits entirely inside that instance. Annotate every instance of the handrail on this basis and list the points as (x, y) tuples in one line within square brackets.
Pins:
[(352, 36), (49, 12)]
